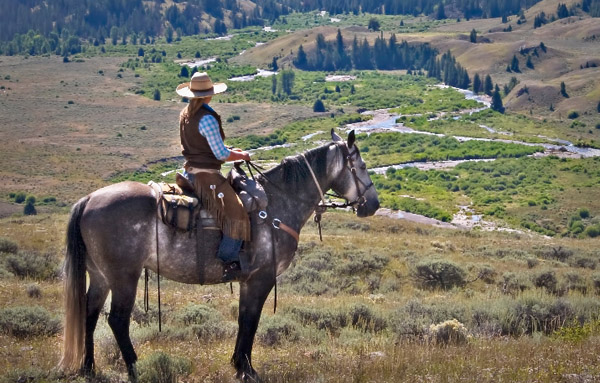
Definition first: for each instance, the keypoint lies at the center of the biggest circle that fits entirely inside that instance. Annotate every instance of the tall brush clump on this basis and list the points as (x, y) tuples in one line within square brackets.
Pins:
[(161, 368), (450, 332), (439, 273)]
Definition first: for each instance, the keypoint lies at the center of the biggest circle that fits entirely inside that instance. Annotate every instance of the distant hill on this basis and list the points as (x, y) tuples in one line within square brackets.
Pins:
[(562, 50), (104, 19)]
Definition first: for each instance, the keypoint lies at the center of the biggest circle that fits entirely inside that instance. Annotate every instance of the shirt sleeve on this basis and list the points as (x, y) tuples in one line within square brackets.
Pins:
[(209, 128)]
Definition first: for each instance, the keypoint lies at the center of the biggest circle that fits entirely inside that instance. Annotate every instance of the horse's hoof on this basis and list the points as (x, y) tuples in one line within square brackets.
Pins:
[(251, 377), (132, 373), (88, 372)]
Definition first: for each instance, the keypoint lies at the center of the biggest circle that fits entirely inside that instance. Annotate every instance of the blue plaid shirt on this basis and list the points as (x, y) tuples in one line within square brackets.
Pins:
[(209, 128)]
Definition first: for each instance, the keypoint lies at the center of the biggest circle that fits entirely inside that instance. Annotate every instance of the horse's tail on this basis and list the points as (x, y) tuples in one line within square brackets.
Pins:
[(74, 291)]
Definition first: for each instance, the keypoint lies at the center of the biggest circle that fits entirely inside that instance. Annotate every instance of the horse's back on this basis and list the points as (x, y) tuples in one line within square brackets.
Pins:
[(118, 221)]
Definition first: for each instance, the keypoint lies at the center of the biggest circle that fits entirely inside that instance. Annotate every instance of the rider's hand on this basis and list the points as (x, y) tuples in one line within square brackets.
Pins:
[(236, 154)]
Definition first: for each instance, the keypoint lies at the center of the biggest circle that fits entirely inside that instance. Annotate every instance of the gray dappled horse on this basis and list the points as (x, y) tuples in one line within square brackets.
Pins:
[(112, 233)]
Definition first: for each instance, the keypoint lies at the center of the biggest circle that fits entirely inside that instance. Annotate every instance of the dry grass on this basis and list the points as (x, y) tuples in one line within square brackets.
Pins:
[(66, 128), (355, 354)]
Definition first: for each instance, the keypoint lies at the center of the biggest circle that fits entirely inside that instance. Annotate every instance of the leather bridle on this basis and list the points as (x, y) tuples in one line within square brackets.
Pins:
[(349, 163), (349, 158)]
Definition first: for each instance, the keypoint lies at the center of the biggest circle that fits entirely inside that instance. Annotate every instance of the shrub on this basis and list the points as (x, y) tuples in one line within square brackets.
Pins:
[(574, 281), (34, 291), (276, 328), (575, 332), (531, 314), (558, 253), (146, 318), (205, 322), (414, 318), (532, 262), (8, 246), (156, 95), (363, 318), (159, 367), (573, 114), (31, 264), (592, 231), (450, 332), (584, 213), (583, 261), (20, 197), (514, 283), (596, 282), (362, 262), (487, 274), (22, 322), (323, 318), (439, 273), (546, 280)]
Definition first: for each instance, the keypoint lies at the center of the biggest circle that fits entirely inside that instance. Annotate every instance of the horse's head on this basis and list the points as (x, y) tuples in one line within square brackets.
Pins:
[(353, 181)]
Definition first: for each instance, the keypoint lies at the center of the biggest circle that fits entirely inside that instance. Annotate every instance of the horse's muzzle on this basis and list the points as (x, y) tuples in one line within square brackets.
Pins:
[(368, 208)]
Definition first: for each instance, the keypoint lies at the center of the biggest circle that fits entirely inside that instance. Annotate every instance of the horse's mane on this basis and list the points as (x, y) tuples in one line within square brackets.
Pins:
[(292, 173)]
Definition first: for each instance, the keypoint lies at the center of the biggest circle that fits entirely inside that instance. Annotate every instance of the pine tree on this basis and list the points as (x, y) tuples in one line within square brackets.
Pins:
[(287, 81), (184, 72), (301, 61), (488, 85), (476, 84), (514, 64), (339, 42), (497, 100), (563, 90), (441, 12), (274, 65), (29, 208), (473, 36), (318, 106), (156, 95), (374, 24), (274, 84), (529, 63), (355, 53), (562, 11)]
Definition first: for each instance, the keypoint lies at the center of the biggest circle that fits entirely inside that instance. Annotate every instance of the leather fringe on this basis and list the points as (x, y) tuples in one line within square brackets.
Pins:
[(231, 218)]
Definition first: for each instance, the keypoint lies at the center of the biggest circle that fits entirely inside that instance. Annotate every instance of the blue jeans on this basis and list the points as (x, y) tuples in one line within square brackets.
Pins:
[(229, 249)]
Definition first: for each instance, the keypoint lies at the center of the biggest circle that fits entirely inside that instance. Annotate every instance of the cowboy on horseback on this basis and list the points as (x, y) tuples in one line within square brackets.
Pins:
[(202, 135)]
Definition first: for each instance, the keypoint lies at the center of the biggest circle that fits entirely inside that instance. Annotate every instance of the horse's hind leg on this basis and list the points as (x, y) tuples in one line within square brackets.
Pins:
[(123, 299), (96, 296)]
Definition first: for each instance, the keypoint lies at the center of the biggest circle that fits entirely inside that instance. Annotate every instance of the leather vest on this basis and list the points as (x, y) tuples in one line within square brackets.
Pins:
[(196, 150)]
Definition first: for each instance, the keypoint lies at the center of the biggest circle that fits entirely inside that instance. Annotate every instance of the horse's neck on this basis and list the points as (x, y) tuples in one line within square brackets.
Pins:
[(296, 204)]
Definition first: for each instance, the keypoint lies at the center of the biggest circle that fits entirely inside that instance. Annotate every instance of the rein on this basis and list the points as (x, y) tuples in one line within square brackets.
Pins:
[(323, 206)]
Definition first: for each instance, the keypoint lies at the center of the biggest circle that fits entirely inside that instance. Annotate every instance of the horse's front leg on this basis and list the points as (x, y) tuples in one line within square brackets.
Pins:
[(253, 294)]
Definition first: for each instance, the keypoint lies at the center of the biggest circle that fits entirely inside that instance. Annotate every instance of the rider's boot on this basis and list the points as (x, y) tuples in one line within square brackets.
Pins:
[(229, 253)]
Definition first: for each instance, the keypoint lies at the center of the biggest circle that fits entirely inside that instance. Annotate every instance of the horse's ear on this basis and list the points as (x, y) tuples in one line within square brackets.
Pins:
[(334, 136), (351, 139)]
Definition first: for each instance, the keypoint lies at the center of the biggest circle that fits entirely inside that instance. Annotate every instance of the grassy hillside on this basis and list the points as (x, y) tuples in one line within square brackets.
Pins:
[(570, 44), (382, 299), (358, 302)]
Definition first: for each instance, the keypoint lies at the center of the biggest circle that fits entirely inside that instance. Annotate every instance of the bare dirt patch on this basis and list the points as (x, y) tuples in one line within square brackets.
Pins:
[(66, 127)]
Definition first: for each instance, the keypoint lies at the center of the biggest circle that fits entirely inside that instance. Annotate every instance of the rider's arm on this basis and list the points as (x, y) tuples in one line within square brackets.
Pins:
[(209, 128)]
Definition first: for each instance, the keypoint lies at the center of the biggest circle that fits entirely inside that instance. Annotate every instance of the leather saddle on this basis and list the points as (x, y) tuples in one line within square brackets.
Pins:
[(180, 208)]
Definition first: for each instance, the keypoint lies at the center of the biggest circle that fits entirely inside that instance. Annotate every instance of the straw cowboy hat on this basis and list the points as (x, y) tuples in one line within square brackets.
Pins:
[(200, 85)]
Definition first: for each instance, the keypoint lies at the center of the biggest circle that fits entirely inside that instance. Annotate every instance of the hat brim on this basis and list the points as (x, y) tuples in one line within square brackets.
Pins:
[(184, 90)]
